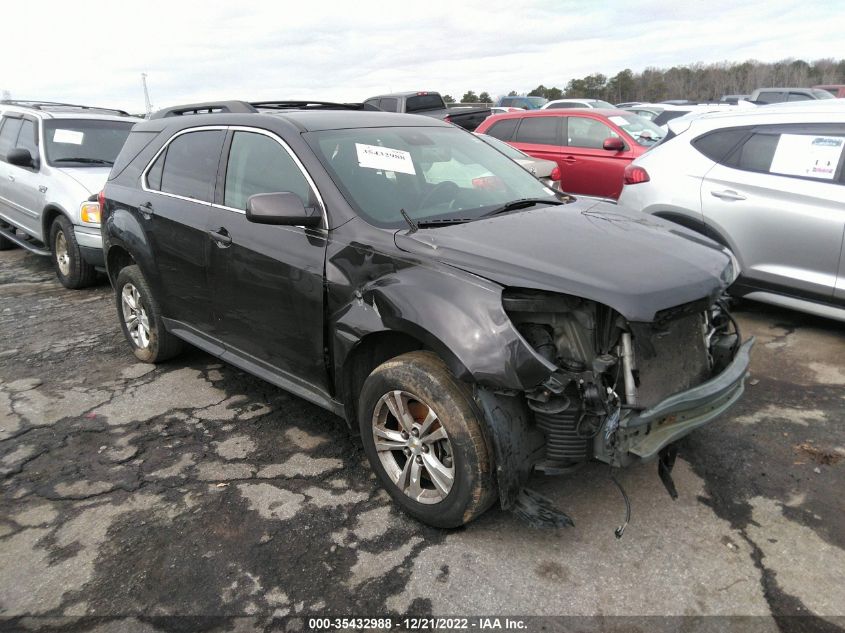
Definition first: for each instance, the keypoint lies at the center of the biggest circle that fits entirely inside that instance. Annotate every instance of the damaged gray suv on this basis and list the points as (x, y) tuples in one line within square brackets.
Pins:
[(473, 329)]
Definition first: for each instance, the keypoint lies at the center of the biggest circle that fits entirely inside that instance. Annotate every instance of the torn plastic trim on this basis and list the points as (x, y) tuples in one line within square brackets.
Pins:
[(509, 430)]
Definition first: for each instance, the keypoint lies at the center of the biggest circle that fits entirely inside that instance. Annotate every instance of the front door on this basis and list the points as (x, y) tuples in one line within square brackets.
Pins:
[(267, 280), (586, 167)]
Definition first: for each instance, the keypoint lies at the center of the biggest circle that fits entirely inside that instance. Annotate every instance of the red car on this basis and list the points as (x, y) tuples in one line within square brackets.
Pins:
[(592, 147)]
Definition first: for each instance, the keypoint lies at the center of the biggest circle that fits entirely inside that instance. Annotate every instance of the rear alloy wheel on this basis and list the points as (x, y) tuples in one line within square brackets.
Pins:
[(422, 434), (71, 269), (140, 318)]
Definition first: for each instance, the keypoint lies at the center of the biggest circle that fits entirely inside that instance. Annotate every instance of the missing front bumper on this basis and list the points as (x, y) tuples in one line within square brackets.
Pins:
[(642, 435)]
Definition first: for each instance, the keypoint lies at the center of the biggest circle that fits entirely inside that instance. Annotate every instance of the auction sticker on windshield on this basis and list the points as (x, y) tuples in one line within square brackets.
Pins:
[(385, 158), (68, 136), (809, 156)]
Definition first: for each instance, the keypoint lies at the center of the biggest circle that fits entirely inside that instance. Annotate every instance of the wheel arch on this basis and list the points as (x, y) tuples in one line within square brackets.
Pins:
[(49, 214)]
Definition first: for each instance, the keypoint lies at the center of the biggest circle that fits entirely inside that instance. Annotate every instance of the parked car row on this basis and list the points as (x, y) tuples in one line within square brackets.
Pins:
[(472, 324)]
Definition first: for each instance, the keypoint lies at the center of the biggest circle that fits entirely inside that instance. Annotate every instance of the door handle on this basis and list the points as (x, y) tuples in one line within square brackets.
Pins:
[(221, 237), (727, 194), (146, 209), (12, 178), (569, 159)]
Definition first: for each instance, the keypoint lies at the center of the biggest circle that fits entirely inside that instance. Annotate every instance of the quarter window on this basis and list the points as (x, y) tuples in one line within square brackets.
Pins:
[(503, 130), (540, 130), (259, 164), (190, 168), (718, 145)]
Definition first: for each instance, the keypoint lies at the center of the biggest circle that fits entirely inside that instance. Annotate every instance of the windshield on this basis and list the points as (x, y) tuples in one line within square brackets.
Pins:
[(508, 150), (429, 172), (84, 142), (823, 94), (643, 131), (598, 103), (667, 115)]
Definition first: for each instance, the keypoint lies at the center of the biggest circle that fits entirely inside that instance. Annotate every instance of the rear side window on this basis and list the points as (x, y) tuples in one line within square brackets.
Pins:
[(190, 168), (259, 164), (9, 135), (389, 104), (565, 104), (540, 130), (503, 130), (814, 152), (757, 152), (719, 144)]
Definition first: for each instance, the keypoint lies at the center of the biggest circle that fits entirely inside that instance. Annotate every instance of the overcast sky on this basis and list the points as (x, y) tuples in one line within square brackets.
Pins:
[(94, 52)]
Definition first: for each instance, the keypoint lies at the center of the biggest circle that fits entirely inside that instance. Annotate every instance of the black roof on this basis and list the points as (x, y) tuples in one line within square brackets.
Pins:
[(306, 115)]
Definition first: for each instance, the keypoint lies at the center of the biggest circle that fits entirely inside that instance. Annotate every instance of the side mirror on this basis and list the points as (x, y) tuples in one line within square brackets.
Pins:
[(20, 157), (613, 144), (283, 208)]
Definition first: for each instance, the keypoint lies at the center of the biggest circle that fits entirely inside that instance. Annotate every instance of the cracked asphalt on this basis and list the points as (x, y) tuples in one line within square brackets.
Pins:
[(193, 489)]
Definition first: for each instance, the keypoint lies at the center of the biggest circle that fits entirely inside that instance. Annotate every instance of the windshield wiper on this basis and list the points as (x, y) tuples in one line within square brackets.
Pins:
[(89, 161), (521, 203), (441, 221)]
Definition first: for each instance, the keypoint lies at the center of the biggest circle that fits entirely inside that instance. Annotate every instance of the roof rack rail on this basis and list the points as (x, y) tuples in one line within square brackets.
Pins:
[(206, 107), (56, 105), (247, 107), (310, 105)]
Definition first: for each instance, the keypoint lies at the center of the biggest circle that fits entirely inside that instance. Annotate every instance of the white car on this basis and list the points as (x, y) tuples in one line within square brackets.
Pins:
[(769, 183), (578, 103)]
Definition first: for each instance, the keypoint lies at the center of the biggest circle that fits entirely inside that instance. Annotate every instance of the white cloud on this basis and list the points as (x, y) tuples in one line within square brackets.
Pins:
[(94, 52)]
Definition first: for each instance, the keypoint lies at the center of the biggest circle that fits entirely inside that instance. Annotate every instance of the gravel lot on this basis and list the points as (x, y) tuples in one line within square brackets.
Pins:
[(192, 489)]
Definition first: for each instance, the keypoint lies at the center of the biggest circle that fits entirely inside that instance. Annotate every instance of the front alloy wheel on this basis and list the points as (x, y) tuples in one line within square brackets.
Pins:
[(422, 433), (413, 447)]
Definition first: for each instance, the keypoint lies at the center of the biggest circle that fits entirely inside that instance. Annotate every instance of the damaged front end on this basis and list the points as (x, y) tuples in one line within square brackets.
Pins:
[(622, 392)]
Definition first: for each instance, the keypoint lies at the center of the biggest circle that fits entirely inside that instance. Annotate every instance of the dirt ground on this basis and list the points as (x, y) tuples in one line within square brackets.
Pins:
[(192, 489)]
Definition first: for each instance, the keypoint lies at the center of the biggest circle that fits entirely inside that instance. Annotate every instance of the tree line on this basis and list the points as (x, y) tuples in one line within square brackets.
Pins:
[(699, 82)]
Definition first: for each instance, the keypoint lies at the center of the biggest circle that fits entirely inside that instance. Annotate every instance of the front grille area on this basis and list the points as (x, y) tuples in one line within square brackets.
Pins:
[(670, 357)]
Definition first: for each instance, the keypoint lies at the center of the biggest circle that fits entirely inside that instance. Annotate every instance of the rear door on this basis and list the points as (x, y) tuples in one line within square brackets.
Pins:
[(586, 167), (780, 201), (268, 280), (179, 186), (540, 136)]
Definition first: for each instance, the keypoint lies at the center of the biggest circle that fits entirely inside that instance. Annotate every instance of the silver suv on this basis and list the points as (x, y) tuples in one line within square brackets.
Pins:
[(54, 160), (769, 183)]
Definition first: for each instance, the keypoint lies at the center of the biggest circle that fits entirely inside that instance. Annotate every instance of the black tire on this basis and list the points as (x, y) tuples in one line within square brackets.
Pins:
[(74, 272), (160, 344), (424, 376)]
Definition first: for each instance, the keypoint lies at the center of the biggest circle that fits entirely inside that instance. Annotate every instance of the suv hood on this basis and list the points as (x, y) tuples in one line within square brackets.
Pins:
[(632, 262), (92, 178)]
